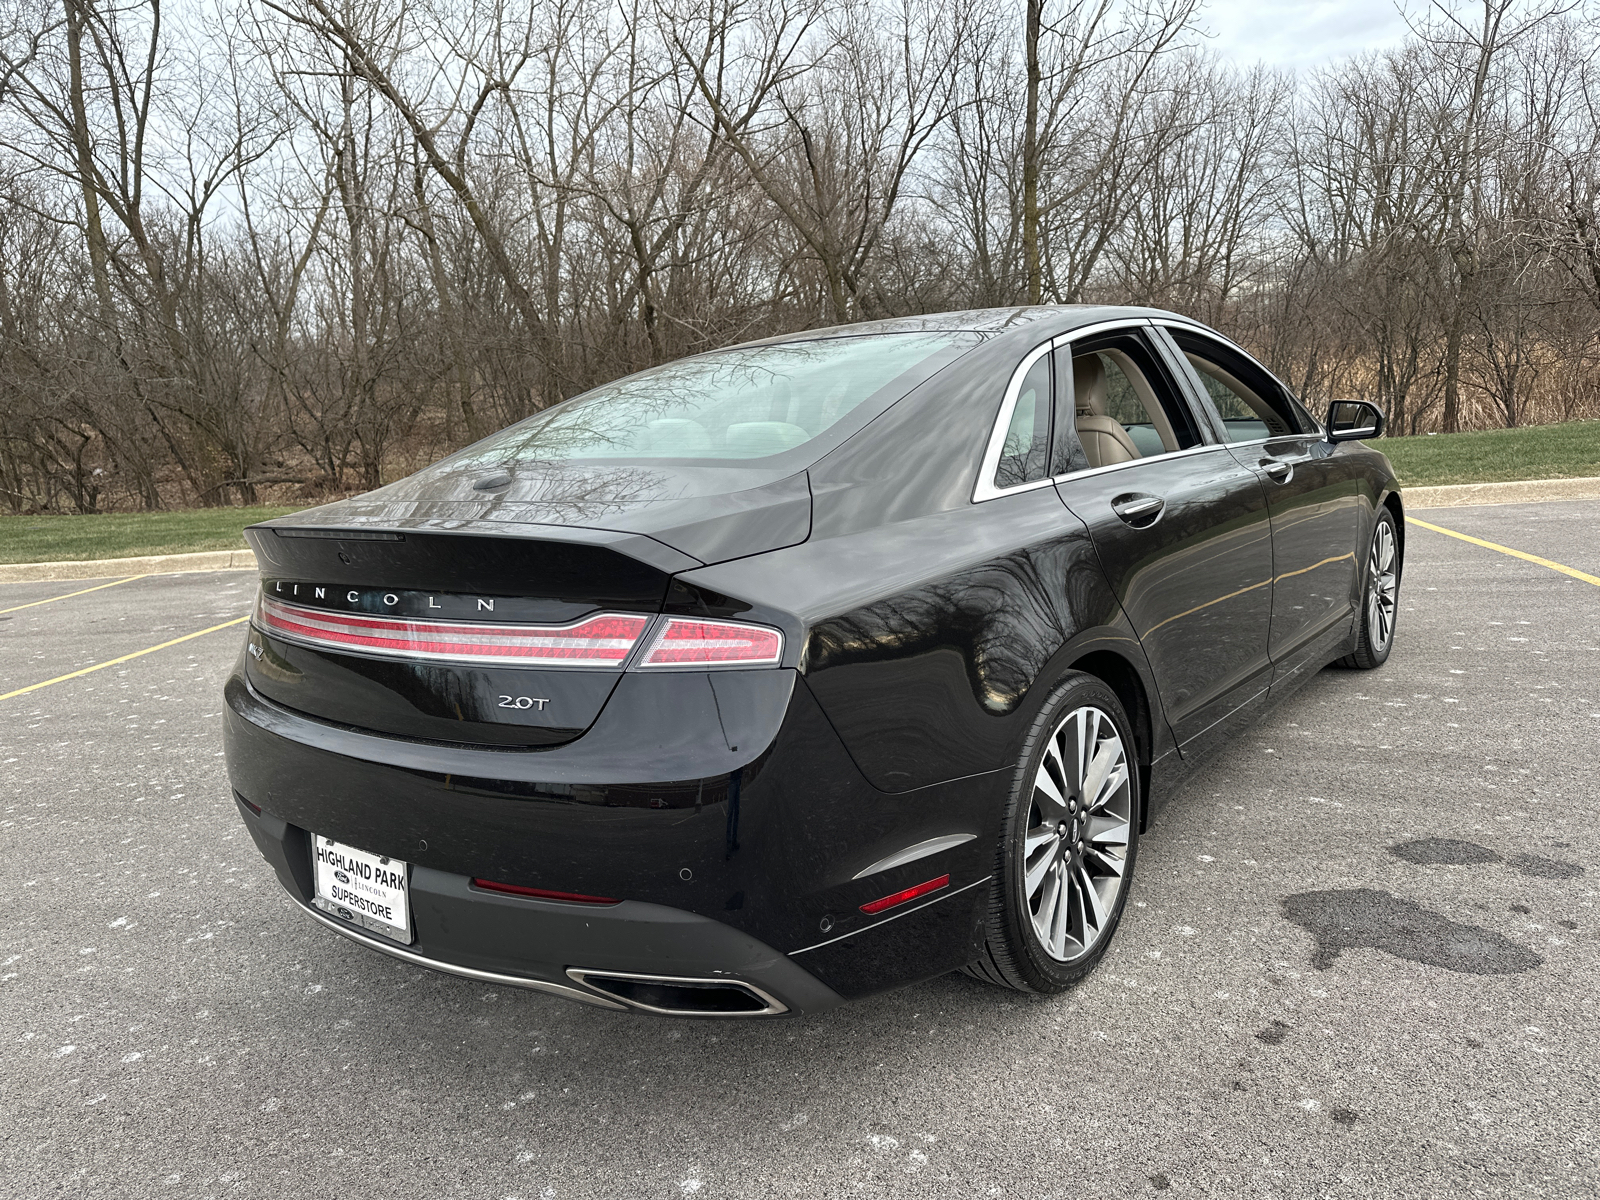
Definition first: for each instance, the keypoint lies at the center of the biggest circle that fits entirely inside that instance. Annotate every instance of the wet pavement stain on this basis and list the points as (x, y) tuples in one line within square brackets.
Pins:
[(1545, 868), (1452, 852), (1443, 852), (1273, 1034), (1360, 918), (1344, 1116)]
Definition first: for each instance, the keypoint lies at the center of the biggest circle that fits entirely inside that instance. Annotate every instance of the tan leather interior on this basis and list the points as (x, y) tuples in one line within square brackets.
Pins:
[(1104, 439)]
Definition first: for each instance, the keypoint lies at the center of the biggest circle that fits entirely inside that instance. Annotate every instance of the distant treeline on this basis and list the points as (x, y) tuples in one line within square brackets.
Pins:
[(291, 248)]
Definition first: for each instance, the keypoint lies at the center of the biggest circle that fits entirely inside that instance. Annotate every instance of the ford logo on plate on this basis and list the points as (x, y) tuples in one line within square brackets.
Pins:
[(341, 877)]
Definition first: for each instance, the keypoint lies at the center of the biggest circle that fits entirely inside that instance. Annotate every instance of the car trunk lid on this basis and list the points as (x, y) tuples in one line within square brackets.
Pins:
[(462, 634)]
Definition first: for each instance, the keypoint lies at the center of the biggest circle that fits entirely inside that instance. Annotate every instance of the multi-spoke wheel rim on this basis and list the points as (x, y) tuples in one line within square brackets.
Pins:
[(1383, 588), (1075, 850)]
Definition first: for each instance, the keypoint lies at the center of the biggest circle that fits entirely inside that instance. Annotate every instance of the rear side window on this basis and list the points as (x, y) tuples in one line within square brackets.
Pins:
[(732, 406), (1122, 403), (1025, 454), (1252, 404)]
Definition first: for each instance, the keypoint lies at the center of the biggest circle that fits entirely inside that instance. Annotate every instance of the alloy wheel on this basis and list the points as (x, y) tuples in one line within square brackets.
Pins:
[(1383, 588), (1075, 849)]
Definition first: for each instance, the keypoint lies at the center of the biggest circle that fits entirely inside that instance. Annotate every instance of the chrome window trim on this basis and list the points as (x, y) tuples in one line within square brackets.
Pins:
[(1277, 437), (985, 488), (1207, 448)]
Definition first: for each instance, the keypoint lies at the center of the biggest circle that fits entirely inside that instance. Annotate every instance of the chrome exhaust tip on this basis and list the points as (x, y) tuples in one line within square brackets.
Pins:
[(676, 996)]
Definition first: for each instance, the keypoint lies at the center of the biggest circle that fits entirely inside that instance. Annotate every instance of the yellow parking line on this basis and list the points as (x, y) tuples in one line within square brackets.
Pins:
[(1533, 558), (70, 595), (33, 687)]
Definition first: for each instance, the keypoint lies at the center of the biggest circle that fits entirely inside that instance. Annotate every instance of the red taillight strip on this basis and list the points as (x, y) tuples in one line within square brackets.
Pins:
[(513, 889), (684, 642), (905, 897), (605, 640)]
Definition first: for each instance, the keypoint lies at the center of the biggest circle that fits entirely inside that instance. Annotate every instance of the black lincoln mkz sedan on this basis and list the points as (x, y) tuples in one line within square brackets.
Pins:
[(788, 673)]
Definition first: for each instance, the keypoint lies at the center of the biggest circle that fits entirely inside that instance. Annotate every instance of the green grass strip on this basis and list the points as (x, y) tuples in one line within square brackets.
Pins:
[(1570, 451), (127, 535)]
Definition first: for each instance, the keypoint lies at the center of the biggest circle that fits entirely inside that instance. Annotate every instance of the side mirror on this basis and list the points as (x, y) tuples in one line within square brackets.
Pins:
[(1353, 421)]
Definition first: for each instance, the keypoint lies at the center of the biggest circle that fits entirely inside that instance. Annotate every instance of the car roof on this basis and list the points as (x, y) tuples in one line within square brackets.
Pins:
[(1063, 318)]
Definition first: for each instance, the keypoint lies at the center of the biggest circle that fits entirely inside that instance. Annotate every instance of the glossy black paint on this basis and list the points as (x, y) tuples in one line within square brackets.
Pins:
[(441, 702), (1314, 495), (1196, 583), (921, 629)]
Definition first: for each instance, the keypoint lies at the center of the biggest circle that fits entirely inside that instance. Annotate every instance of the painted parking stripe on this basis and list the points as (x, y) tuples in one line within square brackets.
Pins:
[(70, 595), (1533, 558), (34, 687)]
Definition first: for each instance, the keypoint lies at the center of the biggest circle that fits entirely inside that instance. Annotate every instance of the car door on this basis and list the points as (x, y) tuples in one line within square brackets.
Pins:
[(1313, 495), (1180, 526)]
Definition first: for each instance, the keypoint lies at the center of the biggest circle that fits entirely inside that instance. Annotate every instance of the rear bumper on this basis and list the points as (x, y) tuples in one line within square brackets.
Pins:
[(752, 862), (574, 951)]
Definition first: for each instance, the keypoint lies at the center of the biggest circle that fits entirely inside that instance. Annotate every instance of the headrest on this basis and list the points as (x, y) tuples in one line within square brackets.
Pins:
[(1089, 385)]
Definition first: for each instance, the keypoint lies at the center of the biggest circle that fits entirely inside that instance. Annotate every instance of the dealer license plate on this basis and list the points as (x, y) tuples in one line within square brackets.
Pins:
[(364, 889)]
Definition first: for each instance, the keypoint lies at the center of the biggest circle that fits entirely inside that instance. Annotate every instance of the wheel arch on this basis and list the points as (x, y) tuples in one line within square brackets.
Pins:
[(1122, 677), (1391, 501)]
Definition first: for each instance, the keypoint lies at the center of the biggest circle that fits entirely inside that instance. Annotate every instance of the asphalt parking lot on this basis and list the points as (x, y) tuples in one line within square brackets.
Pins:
[(1362, 960)]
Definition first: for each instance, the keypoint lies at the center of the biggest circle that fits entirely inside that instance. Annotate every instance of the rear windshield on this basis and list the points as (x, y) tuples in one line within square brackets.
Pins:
[(735, 404)]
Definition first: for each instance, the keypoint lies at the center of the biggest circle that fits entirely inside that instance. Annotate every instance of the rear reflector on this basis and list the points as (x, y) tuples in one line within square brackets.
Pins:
[(512, 889), (686, 643), (905, 897), (603, 641)]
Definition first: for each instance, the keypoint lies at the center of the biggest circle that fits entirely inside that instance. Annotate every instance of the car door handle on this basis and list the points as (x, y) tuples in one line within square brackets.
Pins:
[(1280, 471), (1136, 509)]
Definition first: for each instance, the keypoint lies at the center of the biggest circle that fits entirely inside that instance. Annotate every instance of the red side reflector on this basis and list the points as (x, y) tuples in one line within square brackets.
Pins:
[(911, 893), (683, 642), (512, 889), (603, 641)]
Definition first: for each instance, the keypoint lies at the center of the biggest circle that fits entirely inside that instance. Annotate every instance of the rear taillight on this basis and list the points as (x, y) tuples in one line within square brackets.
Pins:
[(602, 641), (684, 642)]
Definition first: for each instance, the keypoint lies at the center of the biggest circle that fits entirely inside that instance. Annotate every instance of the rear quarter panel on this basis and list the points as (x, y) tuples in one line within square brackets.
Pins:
[(929, 623)]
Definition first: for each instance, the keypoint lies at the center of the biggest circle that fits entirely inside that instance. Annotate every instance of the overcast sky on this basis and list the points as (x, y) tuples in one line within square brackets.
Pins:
[(1301, 33)]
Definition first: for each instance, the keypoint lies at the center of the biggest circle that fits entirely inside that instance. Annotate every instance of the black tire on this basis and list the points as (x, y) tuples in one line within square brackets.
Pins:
[(1014, 953), (1380, 598)]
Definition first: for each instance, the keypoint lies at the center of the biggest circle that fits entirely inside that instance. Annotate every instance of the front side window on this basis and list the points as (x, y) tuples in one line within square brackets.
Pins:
[(731, 406), (1251, 403)]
